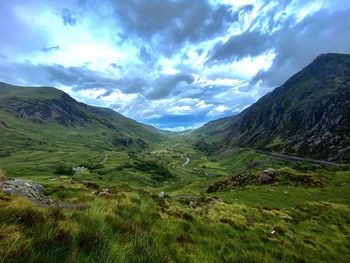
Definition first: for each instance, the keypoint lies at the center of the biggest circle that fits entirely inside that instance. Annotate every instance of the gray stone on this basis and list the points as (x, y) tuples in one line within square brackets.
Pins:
[(161, 195), (192, 204), (25, 188), (104, 194), (264, 179), (270, 172)]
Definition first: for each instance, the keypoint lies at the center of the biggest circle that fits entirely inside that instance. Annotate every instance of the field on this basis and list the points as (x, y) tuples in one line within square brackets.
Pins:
[(290, 220)]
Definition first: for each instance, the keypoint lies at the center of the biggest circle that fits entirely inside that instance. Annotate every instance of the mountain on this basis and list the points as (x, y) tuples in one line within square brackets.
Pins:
[(309, 115), (33, 116)]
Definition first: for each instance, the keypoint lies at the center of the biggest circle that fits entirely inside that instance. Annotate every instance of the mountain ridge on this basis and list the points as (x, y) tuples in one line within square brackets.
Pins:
[(306, 116), (42, 108)]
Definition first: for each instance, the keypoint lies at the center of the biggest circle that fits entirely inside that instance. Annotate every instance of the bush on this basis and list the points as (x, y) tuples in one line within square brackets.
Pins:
[(158, 172), (63, 169), (207, 148), (92, 166)]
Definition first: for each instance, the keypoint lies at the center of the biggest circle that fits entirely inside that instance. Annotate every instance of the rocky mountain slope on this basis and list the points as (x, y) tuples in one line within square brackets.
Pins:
[(39, 115), (309, 115)]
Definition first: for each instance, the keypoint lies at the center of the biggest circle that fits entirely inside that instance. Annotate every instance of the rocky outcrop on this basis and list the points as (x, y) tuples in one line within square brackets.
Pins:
[(267, 176), (239, 181), (27, 189)]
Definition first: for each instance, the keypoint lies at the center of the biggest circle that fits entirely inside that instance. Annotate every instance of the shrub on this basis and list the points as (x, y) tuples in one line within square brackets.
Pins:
[(63, 169), (158, 171), (92, 166)]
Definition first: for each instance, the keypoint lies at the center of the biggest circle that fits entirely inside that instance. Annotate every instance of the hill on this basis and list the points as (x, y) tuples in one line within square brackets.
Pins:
[(39, 116), (309, 115)]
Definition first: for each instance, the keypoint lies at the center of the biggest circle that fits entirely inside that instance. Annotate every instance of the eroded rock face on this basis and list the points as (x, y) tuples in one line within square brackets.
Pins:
[(28, 189)]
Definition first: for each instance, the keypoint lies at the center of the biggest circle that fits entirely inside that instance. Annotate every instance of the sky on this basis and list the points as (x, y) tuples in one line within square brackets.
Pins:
[(174, 64)]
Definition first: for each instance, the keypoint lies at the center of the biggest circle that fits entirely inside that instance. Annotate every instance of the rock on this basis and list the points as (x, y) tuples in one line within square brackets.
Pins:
[(270, 172), (239, 181), (108, 190), (214, 200), (79, 169), (192, 204), (27, 189), (90, 184), (103, 194), (161, 195), (264, 179), (267, 176)]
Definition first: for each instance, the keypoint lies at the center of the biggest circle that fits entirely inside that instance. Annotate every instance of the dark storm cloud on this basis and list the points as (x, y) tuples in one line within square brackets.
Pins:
[(68, 17), (164, 85), (248, 44), (80, 78), (173, 22)]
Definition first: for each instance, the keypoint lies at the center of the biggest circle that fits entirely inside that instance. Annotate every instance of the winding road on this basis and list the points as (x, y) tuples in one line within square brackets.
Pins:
[(295, 158), (186, 161)]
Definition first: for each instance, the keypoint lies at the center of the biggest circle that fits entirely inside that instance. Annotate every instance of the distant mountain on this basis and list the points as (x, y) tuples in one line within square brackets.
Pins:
[(309, 115), (33, 116)]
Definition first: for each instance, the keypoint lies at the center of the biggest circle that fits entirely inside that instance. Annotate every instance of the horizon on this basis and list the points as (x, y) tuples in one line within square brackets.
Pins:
[(175, 65)]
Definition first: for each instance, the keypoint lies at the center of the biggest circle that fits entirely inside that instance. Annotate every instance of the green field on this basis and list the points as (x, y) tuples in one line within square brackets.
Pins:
[(281, 222)]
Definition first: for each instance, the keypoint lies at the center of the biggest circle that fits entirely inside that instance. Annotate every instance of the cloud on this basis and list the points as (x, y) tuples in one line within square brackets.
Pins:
[(68, 18), (48, 49), (297, 45), (169, 24), (251, 43), (163, 86), (293, 43), (172, 63)]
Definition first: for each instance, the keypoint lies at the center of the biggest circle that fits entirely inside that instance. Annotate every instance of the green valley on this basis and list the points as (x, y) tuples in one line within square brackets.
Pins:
[(86, 184)]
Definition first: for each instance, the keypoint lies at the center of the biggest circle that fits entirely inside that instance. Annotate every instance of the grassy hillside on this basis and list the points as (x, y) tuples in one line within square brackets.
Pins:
[(47, 118), (284, 221)]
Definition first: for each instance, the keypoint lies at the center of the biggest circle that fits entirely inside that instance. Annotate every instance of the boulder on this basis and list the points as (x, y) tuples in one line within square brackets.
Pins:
[(264, 179), (104, 192), (27, 189), (161, 195), (267, 176), (270, 172)]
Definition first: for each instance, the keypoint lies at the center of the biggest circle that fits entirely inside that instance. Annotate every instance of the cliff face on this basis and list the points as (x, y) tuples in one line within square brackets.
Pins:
[(309, 115)]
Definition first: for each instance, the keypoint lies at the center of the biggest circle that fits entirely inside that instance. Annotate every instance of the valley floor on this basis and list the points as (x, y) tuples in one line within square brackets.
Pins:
[(174, 204)]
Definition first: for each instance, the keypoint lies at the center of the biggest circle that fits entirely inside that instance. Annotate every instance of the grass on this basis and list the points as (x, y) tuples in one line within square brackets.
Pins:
[(2, 175), (267, 223)]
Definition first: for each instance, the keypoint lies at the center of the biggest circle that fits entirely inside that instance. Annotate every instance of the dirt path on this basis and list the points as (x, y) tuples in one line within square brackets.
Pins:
[(105, 159), (186, 162)]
